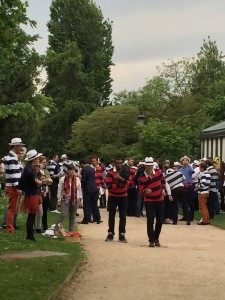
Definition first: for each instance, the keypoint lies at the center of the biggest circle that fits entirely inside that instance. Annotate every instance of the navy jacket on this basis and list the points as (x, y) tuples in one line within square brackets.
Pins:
[(88, 180)]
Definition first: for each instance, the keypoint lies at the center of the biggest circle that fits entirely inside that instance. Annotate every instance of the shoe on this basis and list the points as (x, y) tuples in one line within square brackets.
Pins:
[(55, 211), (109, 237), (82, 222), (91, 221), (151, 244), (174, 223), (182, 219), (122, 238), (99, 222), (166, 221), (3, 226), (188, 223), (201, 223), (157, 244), (38, 231), (16, 227)]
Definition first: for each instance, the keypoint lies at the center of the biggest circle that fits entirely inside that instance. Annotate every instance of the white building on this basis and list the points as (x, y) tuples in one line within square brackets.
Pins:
[(213, 141)]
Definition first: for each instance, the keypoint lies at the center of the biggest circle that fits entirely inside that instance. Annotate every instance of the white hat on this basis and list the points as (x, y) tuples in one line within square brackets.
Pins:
[(176, 163), (148, 161), (196, 162), (185, 157), (49, 232), (204, 158), (141, 163), (63, 156), (16, 141), (32, 154)]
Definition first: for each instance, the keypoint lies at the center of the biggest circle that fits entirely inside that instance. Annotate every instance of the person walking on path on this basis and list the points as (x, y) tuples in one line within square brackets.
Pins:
[(117, 182), (152, 185), (12, 178)]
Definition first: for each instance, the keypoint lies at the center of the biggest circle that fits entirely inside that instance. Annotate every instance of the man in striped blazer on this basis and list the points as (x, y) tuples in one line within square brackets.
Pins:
[(213, 189), (203, 193), (152, 186), (12, 178)]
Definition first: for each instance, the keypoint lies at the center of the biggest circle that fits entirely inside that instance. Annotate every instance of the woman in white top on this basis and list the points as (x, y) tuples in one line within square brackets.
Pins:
[(69, 195)]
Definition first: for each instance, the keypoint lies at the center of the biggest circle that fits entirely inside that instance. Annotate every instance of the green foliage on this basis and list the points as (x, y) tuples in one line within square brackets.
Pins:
[(162, 139), (209, 73), (78, 65), (107, 132)]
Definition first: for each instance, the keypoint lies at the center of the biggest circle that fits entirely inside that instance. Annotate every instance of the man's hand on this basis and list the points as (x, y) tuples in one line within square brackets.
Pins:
[(19, 192), (170, 198), (59, 203)]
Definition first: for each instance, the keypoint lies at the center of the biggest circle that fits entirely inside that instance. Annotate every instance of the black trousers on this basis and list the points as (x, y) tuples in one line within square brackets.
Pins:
[(190, 200), (45, 206), (154, 209), (211, 202), (53, 195), (180, 194), (132, 199), (113, 203), (30, 226)]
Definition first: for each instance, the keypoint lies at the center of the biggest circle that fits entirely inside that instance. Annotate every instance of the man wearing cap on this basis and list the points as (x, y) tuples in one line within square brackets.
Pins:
[(12, 178), (152, 185), (187, 171)]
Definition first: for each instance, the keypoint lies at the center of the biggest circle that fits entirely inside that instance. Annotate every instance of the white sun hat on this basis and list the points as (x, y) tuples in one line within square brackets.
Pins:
[(32, 154)]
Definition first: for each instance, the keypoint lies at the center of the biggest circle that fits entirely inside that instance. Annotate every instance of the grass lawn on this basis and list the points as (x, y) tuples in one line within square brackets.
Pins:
[(218, 221), (34, 278)]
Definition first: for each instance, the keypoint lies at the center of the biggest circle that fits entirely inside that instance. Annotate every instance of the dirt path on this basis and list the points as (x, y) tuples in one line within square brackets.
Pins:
[(190, 264)]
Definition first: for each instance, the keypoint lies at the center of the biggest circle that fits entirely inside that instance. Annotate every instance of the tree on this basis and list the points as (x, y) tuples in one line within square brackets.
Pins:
[(162, 139), (78, 64), (107, 132), (21, 107), (208, 82)]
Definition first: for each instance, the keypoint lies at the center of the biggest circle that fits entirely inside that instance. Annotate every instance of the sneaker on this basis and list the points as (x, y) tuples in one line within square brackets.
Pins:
[(122, 238), (151, 244), (157, 244), (55, 211), (109, 237)]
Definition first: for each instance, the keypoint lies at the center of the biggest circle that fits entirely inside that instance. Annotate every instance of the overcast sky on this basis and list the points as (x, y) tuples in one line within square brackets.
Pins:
[(147, 33)]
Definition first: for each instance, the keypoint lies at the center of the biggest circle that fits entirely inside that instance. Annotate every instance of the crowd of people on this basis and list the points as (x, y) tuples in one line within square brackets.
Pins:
[(158, 189)]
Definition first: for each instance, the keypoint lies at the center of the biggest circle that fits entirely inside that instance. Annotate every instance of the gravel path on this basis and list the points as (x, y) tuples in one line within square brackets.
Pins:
[(190, 264)]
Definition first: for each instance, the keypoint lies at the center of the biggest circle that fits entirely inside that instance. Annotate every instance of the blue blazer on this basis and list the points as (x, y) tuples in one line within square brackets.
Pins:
[(88, 180)]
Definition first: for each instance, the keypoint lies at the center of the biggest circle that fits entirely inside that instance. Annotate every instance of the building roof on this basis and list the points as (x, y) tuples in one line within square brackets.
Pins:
[(217, 130)]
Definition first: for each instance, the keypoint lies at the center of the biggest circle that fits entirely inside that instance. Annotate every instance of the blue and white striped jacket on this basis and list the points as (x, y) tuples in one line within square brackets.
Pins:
[(204, 180), (12, 169)]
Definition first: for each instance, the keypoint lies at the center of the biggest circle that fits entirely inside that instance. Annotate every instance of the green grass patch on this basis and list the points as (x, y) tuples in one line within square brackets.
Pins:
[(218, 221), (34, 278)]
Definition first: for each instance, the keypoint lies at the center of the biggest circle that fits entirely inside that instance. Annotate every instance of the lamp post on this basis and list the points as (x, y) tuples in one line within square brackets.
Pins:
[(141, 119)]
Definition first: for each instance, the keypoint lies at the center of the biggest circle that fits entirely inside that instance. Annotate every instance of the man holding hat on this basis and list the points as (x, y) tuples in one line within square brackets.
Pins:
[(12, 178), (152, 186)]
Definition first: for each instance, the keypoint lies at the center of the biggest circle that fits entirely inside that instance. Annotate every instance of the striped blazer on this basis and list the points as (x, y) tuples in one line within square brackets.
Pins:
[(12, 169)]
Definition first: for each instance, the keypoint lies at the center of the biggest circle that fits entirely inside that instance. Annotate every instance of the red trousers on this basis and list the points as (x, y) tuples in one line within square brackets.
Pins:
[(14, 197)]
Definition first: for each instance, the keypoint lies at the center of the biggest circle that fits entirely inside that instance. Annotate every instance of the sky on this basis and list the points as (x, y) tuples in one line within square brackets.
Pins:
[(147, 33)]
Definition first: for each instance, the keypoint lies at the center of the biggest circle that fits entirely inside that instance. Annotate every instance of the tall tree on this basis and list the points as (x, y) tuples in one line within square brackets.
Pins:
[(20, 106), (78, 64), (208, 81)]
